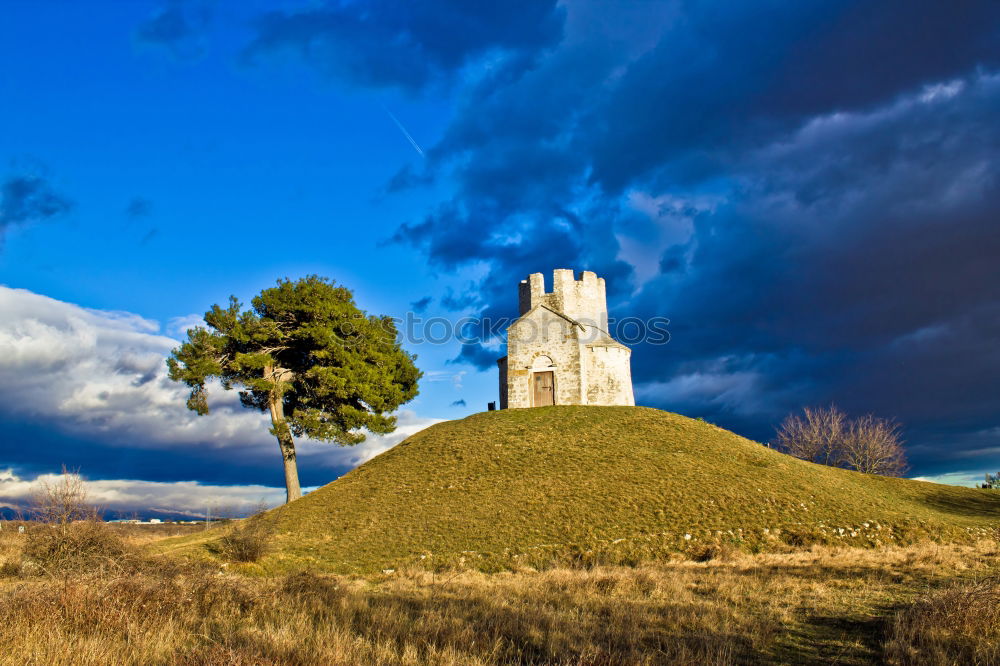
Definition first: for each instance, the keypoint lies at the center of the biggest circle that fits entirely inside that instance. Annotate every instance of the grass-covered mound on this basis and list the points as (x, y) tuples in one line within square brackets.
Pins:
[(520, 486)]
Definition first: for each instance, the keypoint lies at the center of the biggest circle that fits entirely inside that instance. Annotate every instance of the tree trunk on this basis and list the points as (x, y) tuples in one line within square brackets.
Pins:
[(287, 446)]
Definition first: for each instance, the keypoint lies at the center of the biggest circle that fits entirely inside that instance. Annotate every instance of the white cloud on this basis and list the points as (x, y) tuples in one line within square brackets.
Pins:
[(103, 375), (407, 423), (446, 376), (179, 325), (941, 91), (970, 479), (126, 495)]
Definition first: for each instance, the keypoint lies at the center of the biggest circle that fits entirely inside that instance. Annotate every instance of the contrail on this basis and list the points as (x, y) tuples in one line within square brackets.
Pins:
[(402, 129)]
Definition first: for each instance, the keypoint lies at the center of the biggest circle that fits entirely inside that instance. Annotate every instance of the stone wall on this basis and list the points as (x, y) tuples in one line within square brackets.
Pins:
[(609, 374), (544, 334)]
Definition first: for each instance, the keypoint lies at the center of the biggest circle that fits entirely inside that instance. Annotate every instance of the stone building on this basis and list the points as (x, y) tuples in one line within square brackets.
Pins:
[(559, 350)]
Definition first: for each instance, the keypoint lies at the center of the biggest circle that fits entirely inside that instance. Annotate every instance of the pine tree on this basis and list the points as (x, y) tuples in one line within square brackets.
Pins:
[(308, 356)]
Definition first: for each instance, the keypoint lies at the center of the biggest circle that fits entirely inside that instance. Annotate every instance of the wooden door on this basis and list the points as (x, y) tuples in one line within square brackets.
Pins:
[(543, 393)]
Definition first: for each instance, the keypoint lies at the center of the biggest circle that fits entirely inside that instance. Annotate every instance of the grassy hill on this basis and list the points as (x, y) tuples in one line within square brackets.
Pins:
[(504, 488)]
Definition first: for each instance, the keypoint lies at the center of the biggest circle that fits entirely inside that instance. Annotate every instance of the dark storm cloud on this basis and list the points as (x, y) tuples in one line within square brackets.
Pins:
[(138, 207), (454, 236), (98, 459), (26, 199), (178, 26), (149, 236), (862, 227), (809, 191), (476, 355), (463, 301), (728, 77), (856, 263), (406, 44), (421, 304)]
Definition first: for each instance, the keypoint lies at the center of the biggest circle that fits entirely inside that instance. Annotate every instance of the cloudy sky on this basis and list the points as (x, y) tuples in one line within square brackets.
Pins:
[(808, 191)]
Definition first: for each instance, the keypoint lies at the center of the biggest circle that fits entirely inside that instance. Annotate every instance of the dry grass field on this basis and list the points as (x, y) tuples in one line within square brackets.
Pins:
[(549, 536), (926, 603)]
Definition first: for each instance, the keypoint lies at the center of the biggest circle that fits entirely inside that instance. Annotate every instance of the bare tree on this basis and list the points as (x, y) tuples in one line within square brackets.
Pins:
[(71, 537), (63, 501), (874, 446), (826, 436), (815, 436)]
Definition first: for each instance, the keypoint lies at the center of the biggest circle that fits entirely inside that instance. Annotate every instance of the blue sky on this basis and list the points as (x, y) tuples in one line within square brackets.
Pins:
[(193, 175), (808, 192)]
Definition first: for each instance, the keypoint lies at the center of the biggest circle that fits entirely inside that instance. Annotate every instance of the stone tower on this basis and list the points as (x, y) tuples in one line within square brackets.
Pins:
[(559, 350)]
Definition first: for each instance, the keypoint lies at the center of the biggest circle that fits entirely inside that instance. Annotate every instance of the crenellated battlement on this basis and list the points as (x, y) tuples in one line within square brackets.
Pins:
[(583, 299), (559, 351)]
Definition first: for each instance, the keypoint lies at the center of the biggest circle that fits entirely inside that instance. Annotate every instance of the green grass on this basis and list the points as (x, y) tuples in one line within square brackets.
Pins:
[(613, 484)]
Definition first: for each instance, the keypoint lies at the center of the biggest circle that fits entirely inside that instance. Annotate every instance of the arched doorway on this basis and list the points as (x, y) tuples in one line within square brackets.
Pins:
[(543, 382)]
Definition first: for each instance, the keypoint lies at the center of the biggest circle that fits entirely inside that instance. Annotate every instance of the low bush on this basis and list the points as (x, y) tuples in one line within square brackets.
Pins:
[(708, 552), (958, 625), (10, 569), (247, 542), (79, 546)]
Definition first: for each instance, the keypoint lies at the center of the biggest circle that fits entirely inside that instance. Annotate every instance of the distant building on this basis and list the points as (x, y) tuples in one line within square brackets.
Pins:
[(559, 351)]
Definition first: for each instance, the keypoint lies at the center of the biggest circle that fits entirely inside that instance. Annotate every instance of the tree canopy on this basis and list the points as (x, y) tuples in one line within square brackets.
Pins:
[(306, 354)]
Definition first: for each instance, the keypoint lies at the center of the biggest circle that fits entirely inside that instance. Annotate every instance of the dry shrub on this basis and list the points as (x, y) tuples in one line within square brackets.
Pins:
[(81, 546), (717, 550), (10, 569), (247, 542), (66, 535), (313, 590), (63, 501), (959, 625)]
